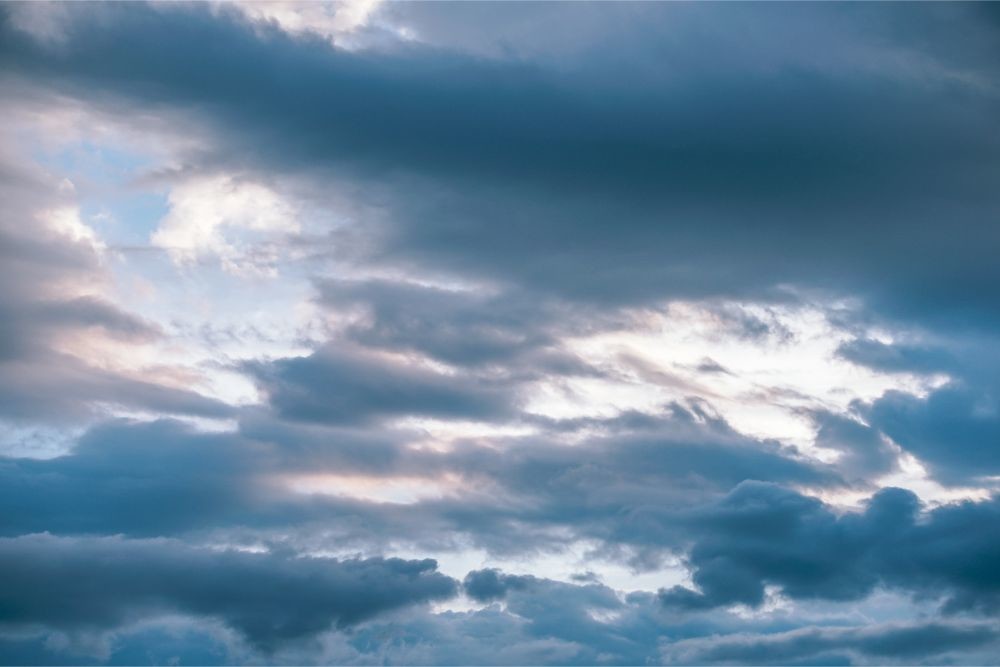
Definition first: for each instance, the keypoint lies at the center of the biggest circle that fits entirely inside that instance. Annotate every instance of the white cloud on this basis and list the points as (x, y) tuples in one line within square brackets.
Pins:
[(65, 221), (235, 221), (332, 20)]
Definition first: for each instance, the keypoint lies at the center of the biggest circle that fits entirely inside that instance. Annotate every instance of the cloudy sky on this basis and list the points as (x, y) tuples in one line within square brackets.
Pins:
[(499, 333)]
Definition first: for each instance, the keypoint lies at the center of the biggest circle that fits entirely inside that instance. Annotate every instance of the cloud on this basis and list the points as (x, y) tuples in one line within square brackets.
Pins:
[(833, 645), (952, 428), (476, 196), (335, 21), (54, 300), (460, 327), (94, 584), (897, 358), (708, 164), (623, 487), (206, 215), (762, 534), (338, 384), (865, 454)]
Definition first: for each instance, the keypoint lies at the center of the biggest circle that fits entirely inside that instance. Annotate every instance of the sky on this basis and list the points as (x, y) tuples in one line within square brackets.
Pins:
[(500, 334)]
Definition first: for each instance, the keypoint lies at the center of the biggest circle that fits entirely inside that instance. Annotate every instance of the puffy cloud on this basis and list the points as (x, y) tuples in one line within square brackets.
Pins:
[(206, 213), (955, 429), (762, 534)]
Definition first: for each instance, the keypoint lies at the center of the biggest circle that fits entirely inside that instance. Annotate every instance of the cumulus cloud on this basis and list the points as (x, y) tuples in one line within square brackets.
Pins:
[(763, 534)]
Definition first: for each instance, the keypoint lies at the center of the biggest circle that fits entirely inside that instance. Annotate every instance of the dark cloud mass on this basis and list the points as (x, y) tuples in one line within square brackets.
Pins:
[(761, 534), (707, 159), (499, 333), (334, 386), (79, 585)]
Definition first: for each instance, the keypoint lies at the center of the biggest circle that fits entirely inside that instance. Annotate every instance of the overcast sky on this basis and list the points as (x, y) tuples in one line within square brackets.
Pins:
[(526, 333)]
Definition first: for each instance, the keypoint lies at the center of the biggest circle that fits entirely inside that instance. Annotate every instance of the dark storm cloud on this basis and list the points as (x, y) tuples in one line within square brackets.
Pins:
[(552, 622), (542, 621), (166, 478), (97, 584), (571, 613), (729, 167), (763, 534)]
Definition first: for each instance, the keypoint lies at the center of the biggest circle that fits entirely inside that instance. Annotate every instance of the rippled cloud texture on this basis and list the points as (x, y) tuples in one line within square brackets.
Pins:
[(391, 333)]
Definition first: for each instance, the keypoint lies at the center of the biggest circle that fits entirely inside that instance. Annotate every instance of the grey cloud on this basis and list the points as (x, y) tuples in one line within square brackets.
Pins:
[(864, 453), (639, 489), (342, 384), (464, 328), (625, 484), (955, 429), (838, 645), (491, 584), (897, 358), (708, 163), (59, 388), (762, 534), (704, 152), (100, 583)]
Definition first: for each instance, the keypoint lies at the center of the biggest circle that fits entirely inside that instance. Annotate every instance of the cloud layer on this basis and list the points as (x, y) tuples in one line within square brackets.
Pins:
[(499, 334)]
